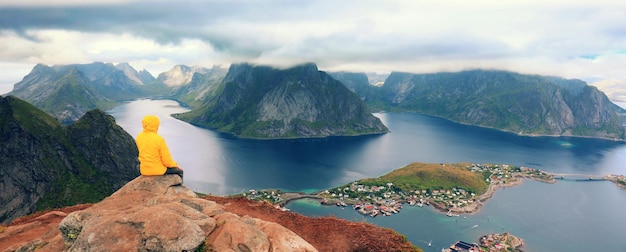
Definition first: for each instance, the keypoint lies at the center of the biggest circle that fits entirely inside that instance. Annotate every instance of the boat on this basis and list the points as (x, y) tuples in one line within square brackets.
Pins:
[(374, 213), (450, 214)]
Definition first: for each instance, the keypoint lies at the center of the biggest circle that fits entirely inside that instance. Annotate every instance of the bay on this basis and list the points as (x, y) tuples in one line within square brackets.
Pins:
[(567, 216)]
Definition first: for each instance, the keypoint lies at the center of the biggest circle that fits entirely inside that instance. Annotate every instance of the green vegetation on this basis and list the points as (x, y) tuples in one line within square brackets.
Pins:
[(34, 120), (526, 104), (423, 176), (447, 186), (60, 172), (83, 185), (239, 105)]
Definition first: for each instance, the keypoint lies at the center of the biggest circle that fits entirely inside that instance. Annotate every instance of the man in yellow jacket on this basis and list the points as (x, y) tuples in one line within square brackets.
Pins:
[(154, 156)]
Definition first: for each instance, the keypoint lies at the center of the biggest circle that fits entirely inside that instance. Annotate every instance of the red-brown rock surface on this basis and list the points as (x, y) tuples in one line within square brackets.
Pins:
[(160, 214)]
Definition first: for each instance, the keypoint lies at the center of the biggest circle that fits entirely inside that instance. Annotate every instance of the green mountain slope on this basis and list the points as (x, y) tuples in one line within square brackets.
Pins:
[(523, 104), (299, 102), (68, 91), (44, 164)]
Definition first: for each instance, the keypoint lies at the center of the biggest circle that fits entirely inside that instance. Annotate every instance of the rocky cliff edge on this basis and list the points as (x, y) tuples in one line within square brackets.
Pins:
[(155, 214)]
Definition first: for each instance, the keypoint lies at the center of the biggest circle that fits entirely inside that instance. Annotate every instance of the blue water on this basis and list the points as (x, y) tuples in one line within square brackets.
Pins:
[(567, 216)]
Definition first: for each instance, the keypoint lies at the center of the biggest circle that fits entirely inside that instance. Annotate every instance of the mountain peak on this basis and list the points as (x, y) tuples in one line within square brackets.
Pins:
[(141, 77), (180, 75), (299, 102)]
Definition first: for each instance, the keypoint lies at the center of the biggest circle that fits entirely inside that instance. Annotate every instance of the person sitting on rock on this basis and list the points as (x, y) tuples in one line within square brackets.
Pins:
[(154, 156)]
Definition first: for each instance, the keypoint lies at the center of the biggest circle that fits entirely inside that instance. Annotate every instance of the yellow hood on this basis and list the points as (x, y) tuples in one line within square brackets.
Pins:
[(150, 123)]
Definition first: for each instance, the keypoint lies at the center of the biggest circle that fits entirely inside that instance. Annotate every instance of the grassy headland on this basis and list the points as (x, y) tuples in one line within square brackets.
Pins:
[(453, 188), (423, 176)]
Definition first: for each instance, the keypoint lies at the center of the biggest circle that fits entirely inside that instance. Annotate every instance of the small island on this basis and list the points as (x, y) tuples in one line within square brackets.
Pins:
[(491, 242)]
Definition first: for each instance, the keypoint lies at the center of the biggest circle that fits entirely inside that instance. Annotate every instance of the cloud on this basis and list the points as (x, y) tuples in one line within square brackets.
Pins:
[(573, 39)]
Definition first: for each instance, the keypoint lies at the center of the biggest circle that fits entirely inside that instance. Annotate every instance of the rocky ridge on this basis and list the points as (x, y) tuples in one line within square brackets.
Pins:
[(142, 77), (180, 75), (69, 91), (614, 89)]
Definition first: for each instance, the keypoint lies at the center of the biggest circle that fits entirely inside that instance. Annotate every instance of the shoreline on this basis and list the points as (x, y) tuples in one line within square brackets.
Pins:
[(619, 181), (480, 200), (513, 132), (470, 209), (474, 207), (490, 242)]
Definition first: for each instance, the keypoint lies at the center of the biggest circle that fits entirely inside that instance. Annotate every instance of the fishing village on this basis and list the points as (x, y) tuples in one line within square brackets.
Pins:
[(453, 189), (384, 197)]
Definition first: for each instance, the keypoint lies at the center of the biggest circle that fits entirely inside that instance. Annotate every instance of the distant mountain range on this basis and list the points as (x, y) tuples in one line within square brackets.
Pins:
[(263, 102), (45, 165), (523, 104), (69, 91)]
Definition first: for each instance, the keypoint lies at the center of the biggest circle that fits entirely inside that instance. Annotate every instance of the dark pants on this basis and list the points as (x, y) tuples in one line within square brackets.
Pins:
[(174, 170)]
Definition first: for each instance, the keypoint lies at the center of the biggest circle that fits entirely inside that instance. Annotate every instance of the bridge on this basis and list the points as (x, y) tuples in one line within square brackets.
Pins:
[(577, 177)]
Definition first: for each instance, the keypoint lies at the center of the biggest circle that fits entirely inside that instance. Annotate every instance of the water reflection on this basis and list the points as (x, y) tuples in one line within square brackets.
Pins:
[(221, 164)]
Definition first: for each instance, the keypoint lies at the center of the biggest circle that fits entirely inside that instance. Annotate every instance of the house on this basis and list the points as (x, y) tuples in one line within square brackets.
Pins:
[(462, 246)]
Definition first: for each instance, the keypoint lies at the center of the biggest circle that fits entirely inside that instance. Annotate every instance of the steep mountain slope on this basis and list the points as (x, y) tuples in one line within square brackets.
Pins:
[(524, 104), (44, 164), (66, 97), (142, 77), (360, 84), (68, 91), (299, 102), (614, 89), (200, 87)]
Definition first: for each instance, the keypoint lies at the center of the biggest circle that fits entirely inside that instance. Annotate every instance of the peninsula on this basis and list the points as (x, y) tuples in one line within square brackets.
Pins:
[(454, 189)]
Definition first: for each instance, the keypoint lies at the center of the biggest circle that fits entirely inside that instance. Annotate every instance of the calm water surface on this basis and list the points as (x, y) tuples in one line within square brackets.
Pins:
[(567, 216)]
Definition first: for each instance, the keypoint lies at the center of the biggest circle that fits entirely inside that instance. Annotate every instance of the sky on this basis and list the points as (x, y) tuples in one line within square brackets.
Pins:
[(565, 38)]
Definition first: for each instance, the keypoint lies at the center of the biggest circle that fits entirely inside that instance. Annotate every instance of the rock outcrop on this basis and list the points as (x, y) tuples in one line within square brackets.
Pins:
[(158, 213)]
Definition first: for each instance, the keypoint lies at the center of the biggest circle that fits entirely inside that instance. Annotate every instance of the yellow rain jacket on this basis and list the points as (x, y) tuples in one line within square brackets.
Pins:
[(154, 156)]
